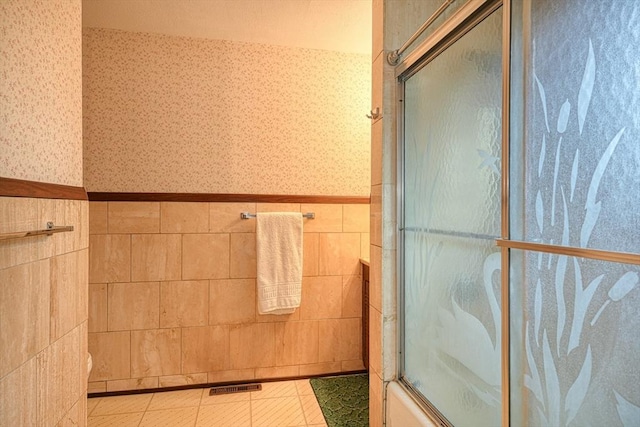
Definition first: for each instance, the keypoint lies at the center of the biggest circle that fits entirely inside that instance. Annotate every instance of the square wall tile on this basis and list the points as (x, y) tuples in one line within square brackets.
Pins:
[(24, 313), (388, 283), (19, 214), (155, 257), (232, 301), (340, 339), (339, 254), (225, 218), (132, 384), (82, 276), (98, 218), (321, 297), (133, 306), (83, 351), (65, 294), (155, 352), (352, 365), (73, 240), (320, 368), (377, 85), (98, 307), (111, 353), (365, 250), (183, 217), (180, 380), (328, 218), (205, 349), (310, 247), (375, 340), (242, 255), (206, 256), (18, 396), (97, 387), (351, 296), (58, 374), (288, 317), (53, 210), (296, 342), (389, 225), (184, 303), (375, 278), (376, 400), (355, 218), (330, 254), (278, 207), (376, 150), (76, 416), (20, 251), (134, 217), (109, 258), (376, 215), (278, 372), (389, 348), (84, 223), (252, 346)]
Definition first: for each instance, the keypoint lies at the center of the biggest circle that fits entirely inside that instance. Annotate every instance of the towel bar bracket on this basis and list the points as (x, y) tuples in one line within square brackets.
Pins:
[(247, 215)]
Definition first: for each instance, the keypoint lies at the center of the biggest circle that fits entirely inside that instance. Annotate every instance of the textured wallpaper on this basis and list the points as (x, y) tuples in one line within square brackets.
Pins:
[(40, 91), (173, 114)]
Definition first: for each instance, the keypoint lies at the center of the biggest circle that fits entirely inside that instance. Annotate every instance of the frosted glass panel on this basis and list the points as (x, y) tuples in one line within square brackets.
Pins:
[(581, 128), (451, 216), (575, 181), (577, 348)]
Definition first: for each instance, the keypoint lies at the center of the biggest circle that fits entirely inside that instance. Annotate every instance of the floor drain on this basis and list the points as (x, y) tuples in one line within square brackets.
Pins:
[(227, 389)]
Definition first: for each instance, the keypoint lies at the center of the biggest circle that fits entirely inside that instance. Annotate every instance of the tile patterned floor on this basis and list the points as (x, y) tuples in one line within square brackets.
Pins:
[(278, 404)]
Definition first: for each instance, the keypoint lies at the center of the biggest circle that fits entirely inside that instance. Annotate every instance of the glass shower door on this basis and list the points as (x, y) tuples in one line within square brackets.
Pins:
[(575, 186), (451, 218)]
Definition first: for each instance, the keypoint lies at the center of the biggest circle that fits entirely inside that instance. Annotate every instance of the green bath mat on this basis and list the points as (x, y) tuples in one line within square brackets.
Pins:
[(344, 399)]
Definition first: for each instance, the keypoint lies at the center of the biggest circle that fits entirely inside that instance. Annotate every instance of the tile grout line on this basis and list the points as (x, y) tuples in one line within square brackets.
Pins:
[(304, 414), (195, 422)]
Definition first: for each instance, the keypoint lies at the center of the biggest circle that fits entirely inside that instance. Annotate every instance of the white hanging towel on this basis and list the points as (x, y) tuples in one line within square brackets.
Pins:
[(279, 261)]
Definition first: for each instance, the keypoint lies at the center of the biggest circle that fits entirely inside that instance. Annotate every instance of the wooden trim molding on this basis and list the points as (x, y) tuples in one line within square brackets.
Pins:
[(10, 187), (213, 197)]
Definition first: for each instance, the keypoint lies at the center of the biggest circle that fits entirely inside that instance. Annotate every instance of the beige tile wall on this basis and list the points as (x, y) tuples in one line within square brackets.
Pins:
[(43, 314), (172, 297)]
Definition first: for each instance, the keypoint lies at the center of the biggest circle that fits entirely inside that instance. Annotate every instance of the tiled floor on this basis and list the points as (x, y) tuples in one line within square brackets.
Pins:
[(278, 404)]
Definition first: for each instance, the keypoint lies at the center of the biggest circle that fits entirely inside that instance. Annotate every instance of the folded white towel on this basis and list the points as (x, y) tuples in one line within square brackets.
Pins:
[(279, 261)]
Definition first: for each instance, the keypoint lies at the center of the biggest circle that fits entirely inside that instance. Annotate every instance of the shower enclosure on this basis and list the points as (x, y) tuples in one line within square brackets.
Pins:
[(519, 215)]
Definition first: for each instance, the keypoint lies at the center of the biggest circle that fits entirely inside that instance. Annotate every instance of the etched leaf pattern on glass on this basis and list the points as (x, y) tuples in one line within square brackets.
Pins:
[(560, 363)]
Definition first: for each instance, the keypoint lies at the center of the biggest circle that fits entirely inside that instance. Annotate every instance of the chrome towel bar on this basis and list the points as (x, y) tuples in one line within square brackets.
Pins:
[(247, 215), (51, 229)]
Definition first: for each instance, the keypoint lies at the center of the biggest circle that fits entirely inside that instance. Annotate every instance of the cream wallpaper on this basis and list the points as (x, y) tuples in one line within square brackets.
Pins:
[(174, 114), (40, 83)]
